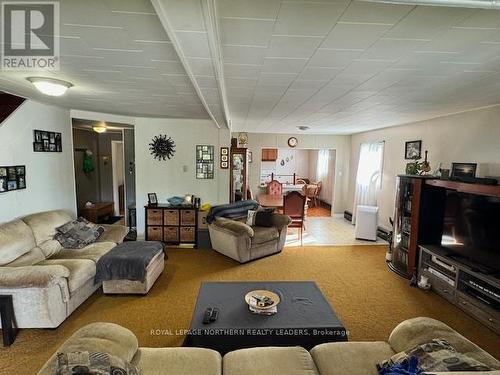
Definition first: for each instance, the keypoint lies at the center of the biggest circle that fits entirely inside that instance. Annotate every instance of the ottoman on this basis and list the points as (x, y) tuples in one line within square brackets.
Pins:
[(131, 267)]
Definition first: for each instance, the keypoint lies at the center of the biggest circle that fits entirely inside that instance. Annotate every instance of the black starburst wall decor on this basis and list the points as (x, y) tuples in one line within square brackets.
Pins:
[(162, 147)]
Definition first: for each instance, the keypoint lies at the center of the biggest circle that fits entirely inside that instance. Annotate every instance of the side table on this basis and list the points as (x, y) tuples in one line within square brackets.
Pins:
[(9, 329)]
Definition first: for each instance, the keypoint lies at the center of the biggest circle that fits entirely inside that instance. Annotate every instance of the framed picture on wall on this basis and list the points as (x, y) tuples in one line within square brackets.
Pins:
[(413, 150), (45, 141), (12, 178), (224, 157), (205, 161)]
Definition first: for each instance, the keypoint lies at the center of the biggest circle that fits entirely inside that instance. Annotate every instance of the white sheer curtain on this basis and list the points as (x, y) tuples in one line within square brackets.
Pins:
[(322, 164), (369, 175)]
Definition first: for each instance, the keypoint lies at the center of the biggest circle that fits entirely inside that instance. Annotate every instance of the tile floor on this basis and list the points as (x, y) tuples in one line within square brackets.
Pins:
[(327, 231)]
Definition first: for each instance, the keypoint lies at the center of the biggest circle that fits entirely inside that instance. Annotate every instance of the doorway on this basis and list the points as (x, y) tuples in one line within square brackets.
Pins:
[(104, 158), (310, 171)]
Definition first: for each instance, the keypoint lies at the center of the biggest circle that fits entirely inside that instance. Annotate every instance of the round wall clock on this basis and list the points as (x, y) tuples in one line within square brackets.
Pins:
[(162, 147), (293, 142)]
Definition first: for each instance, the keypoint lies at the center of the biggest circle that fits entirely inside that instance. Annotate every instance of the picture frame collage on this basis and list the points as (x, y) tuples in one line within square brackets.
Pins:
[(224, 157), (46, 141), (205, 162), (12, 178)]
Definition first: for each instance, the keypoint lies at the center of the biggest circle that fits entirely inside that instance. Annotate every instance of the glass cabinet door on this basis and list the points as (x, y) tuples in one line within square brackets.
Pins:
[(238, 177)]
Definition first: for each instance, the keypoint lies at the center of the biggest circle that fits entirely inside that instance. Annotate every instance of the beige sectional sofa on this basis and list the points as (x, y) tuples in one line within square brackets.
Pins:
[(343, 358), (46, 281)]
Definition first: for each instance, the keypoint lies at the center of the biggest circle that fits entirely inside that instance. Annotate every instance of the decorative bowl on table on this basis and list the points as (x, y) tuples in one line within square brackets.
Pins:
[(262, 302)]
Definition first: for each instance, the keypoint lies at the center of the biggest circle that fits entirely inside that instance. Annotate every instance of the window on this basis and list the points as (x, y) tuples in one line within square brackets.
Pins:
[(369, 176), (322, 164), (370, 165)]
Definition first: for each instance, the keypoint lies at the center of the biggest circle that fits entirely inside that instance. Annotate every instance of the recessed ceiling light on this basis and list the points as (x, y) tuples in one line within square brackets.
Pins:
[(50, 86), (303, 127)]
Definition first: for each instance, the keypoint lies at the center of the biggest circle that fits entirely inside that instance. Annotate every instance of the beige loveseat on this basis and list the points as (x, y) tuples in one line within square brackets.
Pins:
[(46, 281), (243, 243), (345, 358)]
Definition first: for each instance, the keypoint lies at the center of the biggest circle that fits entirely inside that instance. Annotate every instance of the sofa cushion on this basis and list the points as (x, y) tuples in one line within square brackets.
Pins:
[(113, 233), (44, 224), (80, 270), (50, 247), (280, 221), (31, 258), (178, 361), (435, 355), (269, 360), (32, 276), (16, 239), (237, 227), (97, 337), (78, 233), (413, 332), (263, 234), (346, 358), (93, 252)]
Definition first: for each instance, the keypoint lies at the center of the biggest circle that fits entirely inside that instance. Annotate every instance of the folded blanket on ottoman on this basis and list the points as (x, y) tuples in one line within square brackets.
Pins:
[(127, 261)]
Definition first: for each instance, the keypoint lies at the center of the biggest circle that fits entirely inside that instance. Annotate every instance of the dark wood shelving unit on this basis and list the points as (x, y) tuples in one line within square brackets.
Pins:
[(176, 225), (414, 201)]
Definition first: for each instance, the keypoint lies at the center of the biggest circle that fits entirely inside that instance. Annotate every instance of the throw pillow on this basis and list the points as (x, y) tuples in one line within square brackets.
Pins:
[(436, 355), (264, 218), (251, 217), (95, 363), (78, 233)]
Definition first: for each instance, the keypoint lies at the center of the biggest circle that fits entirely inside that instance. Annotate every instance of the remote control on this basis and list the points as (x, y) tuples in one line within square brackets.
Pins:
[(214, 315), (207, 316)]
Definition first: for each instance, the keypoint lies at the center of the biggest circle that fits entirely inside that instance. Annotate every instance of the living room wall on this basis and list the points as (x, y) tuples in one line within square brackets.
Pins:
[(176, 176), (49, 175), (340, 143), (465, 137)]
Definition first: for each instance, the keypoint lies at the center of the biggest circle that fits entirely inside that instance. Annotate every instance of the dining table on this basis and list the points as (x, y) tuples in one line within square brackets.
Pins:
[(270, 200)]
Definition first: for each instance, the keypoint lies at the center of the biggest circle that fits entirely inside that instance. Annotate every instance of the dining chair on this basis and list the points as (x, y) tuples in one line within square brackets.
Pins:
[(319, 185), (274, 188), (294, 206), (309, 192), (300, 181)]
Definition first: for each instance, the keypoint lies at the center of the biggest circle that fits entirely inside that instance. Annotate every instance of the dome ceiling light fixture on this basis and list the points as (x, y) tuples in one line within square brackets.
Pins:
[(99, 129), (50, 86)]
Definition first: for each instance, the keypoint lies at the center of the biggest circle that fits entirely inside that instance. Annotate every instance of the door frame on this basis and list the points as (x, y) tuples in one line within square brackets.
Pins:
[(116, 198)]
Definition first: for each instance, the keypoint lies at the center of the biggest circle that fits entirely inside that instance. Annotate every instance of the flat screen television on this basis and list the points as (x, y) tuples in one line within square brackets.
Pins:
[(471, 230)]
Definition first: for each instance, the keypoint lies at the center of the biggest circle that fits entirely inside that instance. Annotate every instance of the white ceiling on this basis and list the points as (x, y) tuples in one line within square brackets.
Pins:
[(120, 60), (336, 66), (349, 66)]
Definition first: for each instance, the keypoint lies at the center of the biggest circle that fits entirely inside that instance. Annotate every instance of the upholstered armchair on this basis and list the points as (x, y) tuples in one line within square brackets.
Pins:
[(243, 243)]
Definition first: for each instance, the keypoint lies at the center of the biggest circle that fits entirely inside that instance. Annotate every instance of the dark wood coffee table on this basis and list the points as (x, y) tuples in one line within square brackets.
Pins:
[(304, 317)]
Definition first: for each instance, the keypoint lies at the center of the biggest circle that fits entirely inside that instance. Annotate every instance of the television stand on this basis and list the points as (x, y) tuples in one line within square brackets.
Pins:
[(462, 284)]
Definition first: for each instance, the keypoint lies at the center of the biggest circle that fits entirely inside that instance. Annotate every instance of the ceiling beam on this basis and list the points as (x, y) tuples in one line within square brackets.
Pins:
[(162, 15), (214, 41)]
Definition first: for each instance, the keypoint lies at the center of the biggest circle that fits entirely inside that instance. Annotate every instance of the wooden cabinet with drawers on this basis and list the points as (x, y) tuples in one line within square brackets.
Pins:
[(172, 224)]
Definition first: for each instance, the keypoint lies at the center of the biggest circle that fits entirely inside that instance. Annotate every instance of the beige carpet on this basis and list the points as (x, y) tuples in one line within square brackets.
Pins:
[(368, 298)]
